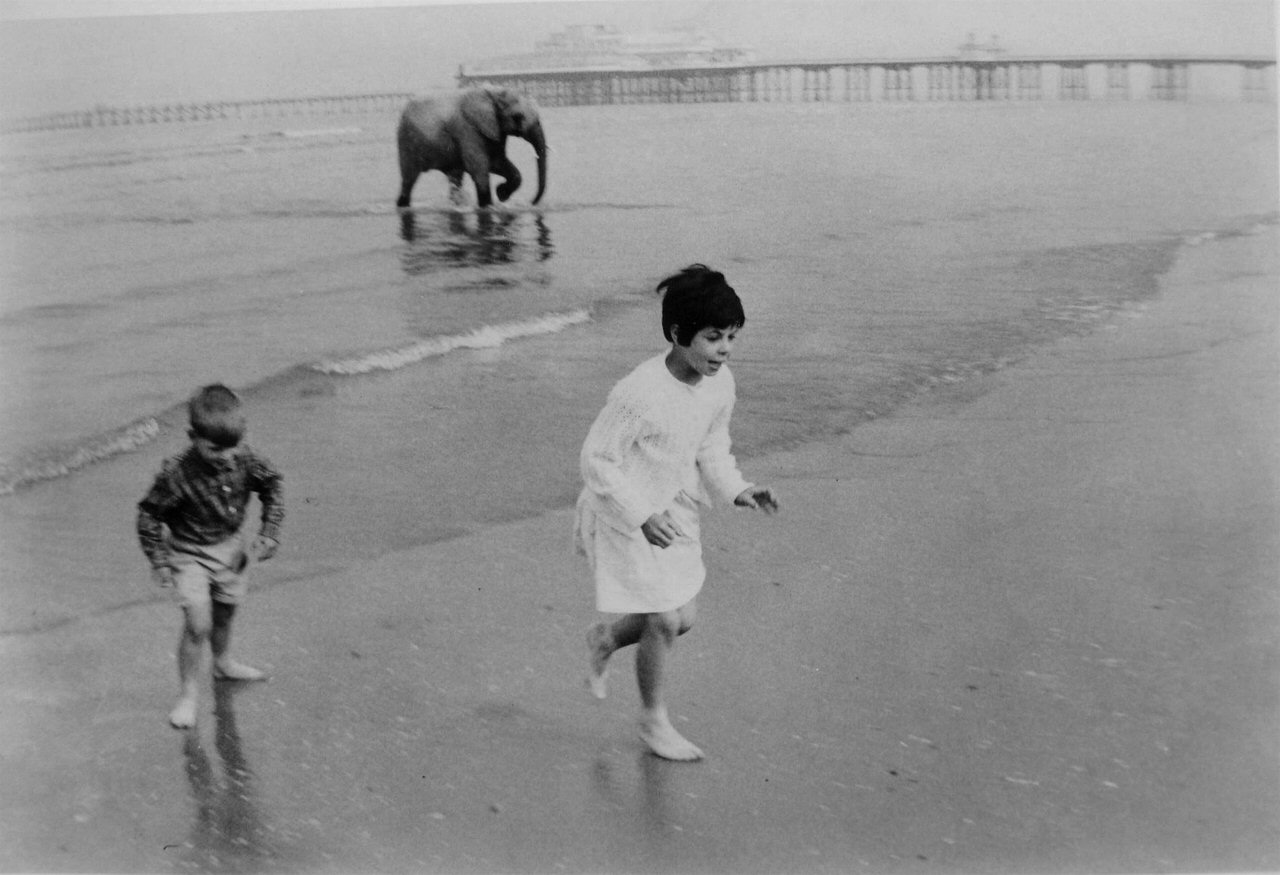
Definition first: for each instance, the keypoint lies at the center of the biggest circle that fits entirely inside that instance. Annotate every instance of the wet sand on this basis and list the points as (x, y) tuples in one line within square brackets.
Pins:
[(1026, 624)]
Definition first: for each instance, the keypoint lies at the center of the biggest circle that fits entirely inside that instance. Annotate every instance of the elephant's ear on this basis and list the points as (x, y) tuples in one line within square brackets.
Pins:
[(478, 108)]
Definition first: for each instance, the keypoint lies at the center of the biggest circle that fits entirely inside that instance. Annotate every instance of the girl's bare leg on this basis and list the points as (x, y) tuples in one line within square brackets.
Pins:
[(600, 646), (656, 640), (602, 640)]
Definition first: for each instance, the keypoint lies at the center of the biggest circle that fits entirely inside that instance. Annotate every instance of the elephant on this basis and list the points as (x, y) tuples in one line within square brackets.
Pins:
[(466, 132)]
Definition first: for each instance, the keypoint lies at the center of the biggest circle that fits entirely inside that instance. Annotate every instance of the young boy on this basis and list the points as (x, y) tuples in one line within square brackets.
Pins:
[(656, 453), (189, 526)]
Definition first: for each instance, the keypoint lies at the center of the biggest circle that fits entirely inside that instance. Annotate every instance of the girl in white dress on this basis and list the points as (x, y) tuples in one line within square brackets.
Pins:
[(657, 451)]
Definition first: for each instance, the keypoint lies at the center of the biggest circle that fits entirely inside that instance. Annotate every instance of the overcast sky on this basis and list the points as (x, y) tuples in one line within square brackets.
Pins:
[(70, 54)]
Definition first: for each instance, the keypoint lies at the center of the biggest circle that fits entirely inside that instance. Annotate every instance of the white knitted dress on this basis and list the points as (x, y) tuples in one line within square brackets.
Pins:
[(658, 445)]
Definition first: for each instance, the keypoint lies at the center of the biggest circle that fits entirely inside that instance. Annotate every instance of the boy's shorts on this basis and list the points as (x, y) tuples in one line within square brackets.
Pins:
[(207, 572)]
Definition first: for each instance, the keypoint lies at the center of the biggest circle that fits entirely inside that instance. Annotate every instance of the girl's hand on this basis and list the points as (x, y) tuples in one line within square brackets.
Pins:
[(758, 498), (660, 530), (263, 548)]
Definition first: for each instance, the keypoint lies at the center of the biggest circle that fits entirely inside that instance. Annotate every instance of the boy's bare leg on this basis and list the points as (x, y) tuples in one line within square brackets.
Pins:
[(224, 667), (655, 645), (605, 638), (195, 631)]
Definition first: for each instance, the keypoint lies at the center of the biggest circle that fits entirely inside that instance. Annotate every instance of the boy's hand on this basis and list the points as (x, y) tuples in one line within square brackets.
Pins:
[(263, 548), (163, 577), (660, 530), (758, 498)]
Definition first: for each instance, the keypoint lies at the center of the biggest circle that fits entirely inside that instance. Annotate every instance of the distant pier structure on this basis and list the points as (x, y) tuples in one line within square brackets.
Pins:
[(212, 110), (567, 73), (598, 65)]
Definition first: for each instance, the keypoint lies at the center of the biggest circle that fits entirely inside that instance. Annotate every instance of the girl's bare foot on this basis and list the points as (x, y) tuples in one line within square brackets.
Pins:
[(183, 715), (657, 732), (230, 670), (600, 643)]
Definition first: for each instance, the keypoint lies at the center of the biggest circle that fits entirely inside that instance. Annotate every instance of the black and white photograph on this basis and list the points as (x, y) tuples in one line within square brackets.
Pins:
[(613, 437)]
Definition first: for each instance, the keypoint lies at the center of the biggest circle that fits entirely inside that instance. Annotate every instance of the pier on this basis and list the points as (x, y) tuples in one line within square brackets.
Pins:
[(1006, 78), (218, 110), (926, 80)]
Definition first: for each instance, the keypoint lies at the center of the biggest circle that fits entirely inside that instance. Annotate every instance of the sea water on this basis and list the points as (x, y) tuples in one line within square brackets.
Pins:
[(422, 374)]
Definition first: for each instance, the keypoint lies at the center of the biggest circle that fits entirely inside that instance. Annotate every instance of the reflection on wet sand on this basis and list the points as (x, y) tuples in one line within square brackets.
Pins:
[(640, 809), (228, 833), (655, 798), (479, 238)]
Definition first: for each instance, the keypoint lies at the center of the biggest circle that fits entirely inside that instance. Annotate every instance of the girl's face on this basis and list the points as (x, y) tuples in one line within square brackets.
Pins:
[(704, 356)]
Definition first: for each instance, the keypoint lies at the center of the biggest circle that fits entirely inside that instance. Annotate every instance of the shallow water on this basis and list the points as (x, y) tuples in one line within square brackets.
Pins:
[(416, 376)]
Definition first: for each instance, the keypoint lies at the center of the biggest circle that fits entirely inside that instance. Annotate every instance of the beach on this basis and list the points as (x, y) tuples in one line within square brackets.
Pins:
[(424, 376), (1012, 368), (1024, 622), (1011, 365)]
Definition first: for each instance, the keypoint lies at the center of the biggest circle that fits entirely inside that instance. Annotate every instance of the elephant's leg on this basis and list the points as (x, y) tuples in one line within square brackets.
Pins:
[(483, 196), (457, 196), (408, 226), (510, 175), (407, 179), (476, 162)]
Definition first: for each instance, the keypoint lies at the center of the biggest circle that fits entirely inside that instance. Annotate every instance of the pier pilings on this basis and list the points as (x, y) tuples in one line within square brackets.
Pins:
[(895, 81), (285, 107), (902, 81)]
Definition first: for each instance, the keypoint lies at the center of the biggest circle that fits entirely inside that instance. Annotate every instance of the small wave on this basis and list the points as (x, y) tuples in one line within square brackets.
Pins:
[(1244, 227), (160, 220), (574, 207), (317, 211), (304, 133), (56, 462), (485, 337), (62, 462), (519, 205)]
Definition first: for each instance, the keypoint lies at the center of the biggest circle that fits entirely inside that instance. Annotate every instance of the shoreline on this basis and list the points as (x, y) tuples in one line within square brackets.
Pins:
[(1029, 622), (287, 417), (906, 281)]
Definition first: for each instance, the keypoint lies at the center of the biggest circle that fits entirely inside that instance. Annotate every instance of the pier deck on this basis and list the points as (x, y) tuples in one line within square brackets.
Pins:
[(891, 80)]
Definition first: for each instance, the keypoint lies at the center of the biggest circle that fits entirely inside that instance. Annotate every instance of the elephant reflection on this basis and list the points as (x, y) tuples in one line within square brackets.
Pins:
[(449, 238)]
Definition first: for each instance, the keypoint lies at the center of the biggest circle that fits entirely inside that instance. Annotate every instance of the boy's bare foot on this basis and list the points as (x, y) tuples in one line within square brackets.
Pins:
[(230, 670), (183, 715), (600, 643), (657, 732)]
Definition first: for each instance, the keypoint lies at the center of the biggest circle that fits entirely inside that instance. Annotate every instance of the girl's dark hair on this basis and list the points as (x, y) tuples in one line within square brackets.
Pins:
[(697, 298), (216, 416)]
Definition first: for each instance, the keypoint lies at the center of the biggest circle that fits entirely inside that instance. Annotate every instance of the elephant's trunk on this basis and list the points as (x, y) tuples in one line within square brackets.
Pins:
[(534, 135)]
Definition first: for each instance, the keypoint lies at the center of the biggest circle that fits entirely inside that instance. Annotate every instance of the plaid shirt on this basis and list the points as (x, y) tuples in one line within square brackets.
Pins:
[(197, 503)]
